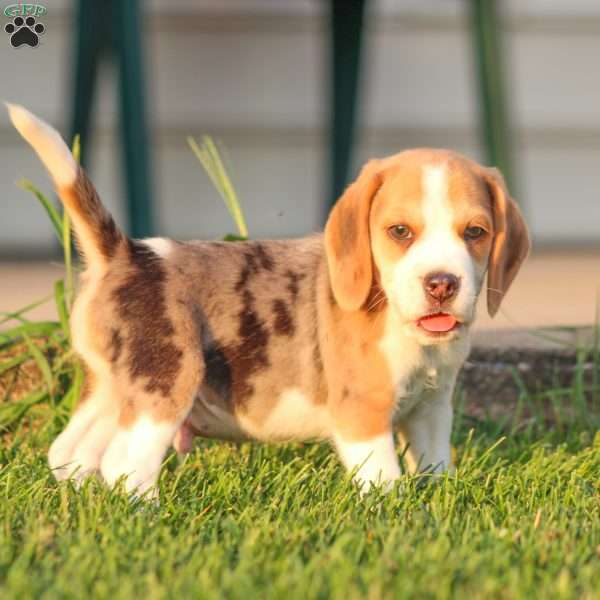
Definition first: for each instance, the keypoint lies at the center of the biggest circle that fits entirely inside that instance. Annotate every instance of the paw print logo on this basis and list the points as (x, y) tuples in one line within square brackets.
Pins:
[(24, 31)]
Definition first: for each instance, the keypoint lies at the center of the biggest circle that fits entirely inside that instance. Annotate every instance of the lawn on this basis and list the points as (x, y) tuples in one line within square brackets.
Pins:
[(521, 519)]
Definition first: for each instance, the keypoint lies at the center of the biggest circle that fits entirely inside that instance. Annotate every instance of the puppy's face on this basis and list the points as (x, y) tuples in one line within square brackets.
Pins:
[(427, 225), (431, 230)]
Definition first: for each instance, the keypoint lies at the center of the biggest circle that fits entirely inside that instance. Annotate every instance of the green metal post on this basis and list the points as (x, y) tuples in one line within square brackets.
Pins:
[(127, 42), (494, 122), (90, 42), (113, 28), (346, 30)]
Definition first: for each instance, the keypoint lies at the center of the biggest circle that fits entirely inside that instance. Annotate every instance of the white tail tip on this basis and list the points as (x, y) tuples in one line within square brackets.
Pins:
[(48, 144)]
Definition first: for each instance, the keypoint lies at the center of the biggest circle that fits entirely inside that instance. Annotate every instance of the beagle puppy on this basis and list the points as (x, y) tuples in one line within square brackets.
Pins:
[(347, 336)]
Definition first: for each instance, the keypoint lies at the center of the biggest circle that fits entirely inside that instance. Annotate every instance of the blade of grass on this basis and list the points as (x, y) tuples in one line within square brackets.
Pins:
[(41, 362), (208, 156), (73, 394), (579, 395), (76, 147), (62, 361), (61, 307), (13, 362), (55, 218), (486, 454), (41, 328), (229, 193), (12, 412), (9, 316)]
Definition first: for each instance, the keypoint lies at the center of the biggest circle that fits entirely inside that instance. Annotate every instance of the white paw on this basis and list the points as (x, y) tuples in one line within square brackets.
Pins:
[(374, 461), (62, 454), (78, 456), (136, 455)]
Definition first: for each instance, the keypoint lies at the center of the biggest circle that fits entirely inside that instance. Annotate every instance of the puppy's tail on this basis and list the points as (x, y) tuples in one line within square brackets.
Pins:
[(97, 235)]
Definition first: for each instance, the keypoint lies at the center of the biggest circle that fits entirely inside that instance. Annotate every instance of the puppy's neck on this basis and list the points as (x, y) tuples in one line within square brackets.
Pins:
[(405, 352)]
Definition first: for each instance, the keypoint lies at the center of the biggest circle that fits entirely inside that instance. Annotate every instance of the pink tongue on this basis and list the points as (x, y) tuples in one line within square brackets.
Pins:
[(438, 323)]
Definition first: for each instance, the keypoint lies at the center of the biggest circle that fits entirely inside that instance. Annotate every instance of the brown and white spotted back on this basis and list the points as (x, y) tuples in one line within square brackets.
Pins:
[(254, 306)]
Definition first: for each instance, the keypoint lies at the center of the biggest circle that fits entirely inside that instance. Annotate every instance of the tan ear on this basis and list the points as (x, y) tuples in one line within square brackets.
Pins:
[(511, 243), (347, 240)]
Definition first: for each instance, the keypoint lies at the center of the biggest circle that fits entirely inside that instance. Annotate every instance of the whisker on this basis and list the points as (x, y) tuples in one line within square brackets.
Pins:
[(489, 289), (376, 303), (377, 299)]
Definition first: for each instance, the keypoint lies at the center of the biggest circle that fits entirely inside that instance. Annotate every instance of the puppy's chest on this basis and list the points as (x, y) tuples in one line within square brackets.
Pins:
[(420, 374), (421, 385)]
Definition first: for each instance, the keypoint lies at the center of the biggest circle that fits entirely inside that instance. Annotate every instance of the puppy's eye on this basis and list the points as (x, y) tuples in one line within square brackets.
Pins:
[(400, 232), (474, 233)]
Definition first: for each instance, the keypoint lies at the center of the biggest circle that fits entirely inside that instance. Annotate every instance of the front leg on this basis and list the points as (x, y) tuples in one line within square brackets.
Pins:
[(426, 431), (363, 436), (374, 459)]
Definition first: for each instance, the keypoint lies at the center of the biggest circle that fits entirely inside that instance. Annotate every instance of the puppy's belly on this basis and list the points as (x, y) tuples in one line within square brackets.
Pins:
[(293, 416), (214, 420)]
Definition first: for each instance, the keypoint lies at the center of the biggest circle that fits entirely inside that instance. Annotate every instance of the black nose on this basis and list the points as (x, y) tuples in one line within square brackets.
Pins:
[(441, 286)]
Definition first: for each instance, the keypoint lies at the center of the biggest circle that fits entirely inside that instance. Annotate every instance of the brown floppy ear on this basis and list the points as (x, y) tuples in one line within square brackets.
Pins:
[(347, 240), (511, 243)]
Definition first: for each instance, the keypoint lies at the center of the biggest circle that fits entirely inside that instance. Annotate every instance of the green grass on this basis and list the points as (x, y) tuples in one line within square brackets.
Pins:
[(520, 519)]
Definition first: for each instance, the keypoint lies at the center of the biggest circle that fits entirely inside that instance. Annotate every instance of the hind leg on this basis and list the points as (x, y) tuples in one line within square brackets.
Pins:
[(148, 423), (152, 411), (136, 452), (88, 453), (78, 450)]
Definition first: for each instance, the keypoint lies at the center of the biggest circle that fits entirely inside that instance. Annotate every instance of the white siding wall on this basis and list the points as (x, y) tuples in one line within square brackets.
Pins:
[(253, 73)]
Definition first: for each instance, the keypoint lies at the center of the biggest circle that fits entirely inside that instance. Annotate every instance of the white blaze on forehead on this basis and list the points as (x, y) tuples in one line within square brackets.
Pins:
[(437, 248), (441, 247), (437, 211)]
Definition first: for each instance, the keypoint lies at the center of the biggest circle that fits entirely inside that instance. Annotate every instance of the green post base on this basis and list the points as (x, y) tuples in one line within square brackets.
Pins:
[(346, 31)]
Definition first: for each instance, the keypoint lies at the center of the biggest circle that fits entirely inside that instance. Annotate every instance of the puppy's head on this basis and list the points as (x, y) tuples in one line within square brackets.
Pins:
[(424, 226)]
